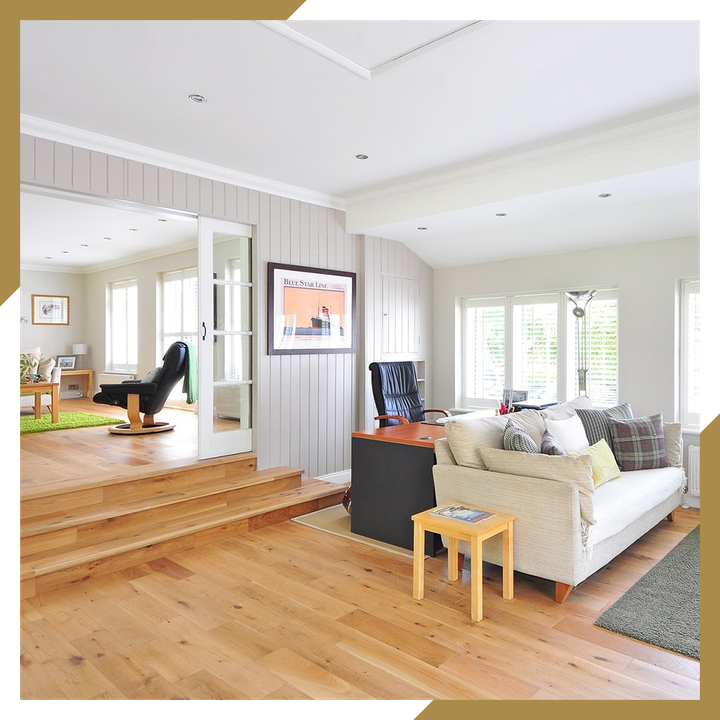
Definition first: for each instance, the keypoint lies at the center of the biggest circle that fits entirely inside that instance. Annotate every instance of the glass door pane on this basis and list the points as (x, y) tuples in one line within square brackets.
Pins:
[(226, 345)]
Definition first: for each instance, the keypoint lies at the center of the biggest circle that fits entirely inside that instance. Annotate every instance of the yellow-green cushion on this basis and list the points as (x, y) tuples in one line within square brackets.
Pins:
[(604, 466)]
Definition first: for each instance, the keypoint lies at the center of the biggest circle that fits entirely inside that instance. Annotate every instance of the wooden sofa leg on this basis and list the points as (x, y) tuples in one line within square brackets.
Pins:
[(671, 517), (562, 591)]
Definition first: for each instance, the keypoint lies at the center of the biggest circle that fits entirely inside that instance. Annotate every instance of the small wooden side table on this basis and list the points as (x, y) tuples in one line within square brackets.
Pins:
[(38, 389), (472, 533)]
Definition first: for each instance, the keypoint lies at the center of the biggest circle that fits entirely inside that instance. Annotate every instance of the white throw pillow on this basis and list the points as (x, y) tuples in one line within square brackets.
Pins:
[(566, 409), (570, 433)]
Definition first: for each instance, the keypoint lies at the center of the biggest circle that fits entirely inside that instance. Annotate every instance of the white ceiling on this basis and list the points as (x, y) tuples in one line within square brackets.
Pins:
[(437, 101)]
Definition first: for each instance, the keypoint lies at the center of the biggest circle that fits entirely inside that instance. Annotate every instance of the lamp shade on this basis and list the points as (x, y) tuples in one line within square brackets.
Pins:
[(79, 349)]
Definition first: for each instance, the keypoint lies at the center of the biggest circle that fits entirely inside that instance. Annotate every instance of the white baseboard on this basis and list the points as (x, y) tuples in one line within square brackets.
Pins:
[(340, 478), (692, 501)]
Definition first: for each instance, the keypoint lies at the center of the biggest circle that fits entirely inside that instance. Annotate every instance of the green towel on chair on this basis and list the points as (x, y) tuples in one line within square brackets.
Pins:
[(190, 383)]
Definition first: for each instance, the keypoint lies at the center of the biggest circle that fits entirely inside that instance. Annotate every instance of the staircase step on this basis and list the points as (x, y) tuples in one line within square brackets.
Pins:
[(51, 569), (104, 517)]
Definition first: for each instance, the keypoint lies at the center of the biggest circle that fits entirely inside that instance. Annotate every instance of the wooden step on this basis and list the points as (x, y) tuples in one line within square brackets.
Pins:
[(66, 545)]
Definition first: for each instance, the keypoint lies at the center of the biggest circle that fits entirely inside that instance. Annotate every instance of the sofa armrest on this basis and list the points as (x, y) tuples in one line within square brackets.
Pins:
[(56, 375), (673, 443), (547, 533)]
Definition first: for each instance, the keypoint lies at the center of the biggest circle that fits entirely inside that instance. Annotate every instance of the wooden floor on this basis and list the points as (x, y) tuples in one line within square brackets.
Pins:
[(75, 454), (289, 612)]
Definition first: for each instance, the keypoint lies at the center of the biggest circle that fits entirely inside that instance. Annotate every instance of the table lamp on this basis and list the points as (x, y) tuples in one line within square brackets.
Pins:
[(79, 349)]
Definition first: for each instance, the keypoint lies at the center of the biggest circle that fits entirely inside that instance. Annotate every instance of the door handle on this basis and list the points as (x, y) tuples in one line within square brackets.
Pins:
[(204, 331)]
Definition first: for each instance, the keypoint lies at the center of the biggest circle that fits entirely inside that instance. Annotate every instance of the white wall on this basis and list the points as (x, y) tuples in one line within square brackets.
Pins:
[(54, 340), (647, 276), (307, 405)]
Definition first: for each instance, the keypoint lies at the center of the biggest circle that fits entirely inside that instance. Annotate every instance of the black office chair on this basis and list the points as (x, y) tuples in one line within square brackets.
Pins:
[(396, 393), (147, 396)]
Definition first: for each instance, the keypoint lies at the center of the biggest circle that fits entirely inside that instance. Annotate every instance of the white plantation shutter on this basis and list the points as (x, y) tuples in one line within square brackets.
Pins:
[(123, 325), (484, 350), (179, 315), (601, 317), (535, 346), (690, 353), (529, 343)]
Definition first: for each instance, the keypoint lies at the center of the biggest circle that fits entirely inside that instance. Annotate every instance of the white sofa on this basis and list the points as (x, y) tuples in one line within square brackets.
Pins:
[(46, 368), (566, 528)]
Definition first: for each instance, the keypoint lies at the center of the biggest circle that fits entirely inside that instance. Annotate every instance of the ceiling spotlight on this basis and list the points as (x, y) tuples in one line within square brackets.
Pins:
[(500, 214), (197, 99), (48, 257), (361, 157), (604, 195), (422, 228), (84, 245), (107, 238), (64, 252), (162, 220), (133, 229)]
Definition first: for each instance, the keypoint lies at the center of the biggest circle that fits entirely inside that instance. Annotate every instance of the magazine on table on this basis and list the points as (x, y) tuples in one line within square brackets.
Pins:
[(462, 512)]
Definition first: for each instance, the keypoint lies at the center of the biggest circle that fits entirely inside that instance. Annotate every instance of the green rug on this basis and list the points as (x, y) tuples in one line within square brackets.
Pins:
[(663, 607), (66, 421)]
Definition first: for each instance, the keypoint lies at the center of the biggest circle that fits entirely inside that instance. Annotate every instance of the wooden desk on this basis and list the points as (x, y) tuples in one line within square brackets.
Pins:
[(474, 534), (392, 480), (86, 375), (40, 388)]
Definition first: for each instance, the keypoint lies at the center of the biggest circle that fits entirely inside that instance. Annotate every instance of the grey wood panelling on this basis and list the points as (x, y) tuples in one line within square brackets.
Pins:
[(306, 405)]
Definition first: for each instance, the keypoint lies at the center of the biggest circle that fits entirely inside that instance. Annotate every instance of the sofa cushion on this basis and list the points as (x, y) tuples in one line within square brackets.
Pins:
[(517, 439), (621, 502), (639, 444), (596, 423), (604, 467), (673, 443), (569, 432), (575, 470), (566, 409), (45, 368), (29, 360), (550, 445), (467, 438)]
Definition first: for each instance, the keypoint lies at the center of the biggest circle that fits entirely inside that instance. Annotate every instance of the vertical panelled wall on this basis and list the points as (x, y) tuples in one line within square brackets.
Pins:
[(392, 260), (306, 407)]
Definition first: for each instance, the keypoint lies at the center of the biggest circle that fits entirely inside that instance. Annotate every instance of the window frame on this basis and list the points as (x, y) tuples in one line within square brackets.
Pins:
[(566, 371), (112, 363), (690, 420)]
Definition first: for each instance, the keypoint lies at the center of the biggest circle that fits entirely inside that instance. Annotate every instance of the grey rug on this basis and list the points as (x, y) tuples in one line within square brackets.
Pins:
[(663, 607)]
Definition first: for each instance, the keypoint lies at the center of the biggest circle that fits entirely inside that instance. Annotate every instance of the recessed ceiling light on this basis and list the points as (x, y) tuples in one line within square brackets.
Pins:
[(64, 252), (133, 229), (48, 257), (604, 195), (361, 157), (422, 228), (107, 238), (162, 219), (501, 214), (84, 245), (197, 99)]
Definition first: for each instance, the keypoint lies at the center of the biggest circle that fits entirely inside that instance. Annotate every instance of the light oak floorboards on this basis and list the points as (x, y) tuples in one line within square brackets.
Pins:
[(287, 612)]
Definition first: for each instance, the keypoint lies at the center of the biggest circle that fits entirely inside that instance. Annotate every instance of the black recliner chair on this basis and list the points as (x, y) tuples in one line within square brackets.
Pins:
[(396, 393), (147, 396)]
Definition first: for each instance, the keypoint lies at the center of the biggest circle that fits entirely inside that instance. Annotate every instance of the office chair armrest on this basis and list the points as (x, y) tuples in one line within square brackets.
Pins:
[(444, 412), (403, 420), (130, 388)]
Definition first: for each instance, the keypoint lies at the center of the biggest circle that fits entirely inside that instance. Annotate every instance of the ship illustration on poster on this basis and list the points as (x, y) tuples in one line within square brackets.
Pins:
[(320, 324)]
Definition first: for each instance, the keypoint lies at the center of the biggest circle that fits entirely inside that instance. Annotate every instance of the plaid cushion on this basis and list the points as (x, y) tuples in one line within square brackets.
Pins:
[(550, 445), (515, 438), (596, 422), (639, 444)]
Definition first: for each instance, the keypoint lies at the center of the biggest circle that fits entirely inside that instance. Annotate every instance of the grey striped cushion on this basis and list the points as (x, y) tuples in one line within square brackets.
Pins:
[(550, 445), (515, 438), (596, 422)]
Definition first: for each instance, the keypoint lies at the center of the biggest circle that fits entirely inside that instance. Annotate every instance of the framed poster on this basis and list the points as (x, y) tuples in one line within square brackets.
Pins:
[(50, 310), (310, 310)]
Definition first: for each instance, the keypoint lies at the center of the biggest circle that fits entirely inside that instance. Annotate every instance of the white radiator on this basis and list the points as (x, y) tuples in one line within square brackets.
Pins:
[(694, 470), (108, 378)]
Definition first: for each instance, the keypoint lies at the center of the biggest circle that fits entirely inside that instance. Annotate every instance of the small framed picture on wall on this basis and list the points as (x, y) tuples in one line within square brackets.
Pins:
[(50, 310)]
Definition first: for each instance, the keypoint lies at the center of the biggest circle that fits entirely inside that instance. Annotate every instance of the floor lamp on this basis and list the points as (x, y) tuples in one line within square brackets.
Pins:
[(581, 298)]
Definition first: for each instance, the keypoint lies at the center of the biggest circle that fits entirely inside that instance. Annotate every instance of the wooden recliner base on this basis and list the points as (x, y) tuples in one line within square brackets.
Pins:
[(138, 425)]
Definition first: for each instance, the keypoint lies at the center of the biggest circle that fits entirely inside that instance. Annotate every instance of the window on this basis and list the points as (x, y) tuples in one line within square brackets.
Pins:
[(690, 353), (123, 325), (529, 342), (179, 321)]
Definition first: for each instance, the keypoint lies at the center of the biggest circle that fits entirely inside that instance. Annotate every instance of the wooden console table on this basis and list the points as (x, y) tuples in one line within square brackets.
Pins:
[(86, 375)]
